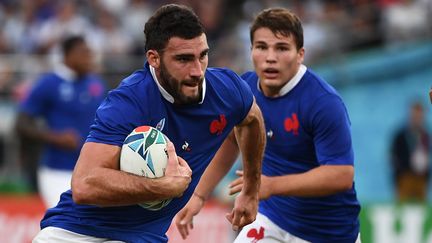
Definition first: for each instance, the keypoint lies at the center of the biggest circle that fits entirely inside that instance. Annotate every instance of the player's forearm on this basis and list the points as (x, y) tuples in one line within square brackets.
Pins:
[(27, 126), (322, 181), (251, 139), (107, 187), (218, 167), (97, 180)]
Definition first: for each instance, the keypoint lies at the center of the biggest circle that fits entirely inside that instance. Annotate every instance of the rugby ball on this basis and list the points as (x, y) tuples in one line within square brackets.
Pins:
[(144, 153)]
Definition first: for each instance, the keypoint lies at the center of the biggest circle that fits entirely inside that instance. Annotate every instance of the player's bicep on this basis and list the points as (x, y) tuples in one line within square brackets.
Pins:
[(90, 174), (253, 115), (97, 155)]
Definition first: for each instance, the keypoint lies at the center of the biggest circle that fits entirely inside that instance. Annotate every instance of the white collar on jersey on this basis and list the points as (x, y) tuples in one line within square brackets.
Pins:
[(166, 95), (65, 72), (292, 83)]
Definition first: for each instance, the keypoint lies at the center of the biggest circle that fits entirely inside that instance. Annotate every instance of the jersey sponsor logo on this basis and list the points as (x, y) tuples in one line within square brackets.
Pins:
[(256, 234), (292, 124), (217, 126)]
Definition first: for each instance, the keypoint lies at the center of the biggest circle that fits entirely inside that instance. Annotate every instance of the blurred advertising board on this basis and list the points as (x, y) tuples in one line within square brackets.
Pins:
[(380, 223), (19, 217), (396, 223)]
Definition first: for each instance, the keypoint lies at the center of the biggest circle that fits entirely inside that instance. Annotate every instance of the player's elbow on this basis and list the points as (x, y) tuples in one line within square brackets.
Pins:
[(345, 185), (22, 125), (79, 191)]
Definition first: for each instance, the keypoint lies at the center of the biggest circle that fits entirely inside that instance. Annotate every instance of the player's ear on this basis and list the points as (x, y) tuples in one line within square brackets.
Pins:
[(153, 58), (300, 55)]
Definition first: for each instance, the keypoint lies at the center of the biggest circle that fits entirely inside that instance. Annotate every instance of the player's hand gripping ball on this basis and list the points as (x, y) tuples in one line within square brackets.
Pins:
[(144, 153)]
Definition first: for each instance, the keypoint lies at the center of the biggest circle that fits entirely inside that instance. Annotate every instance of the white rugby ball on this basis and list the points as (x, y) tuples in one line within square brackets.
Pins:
[(144, 153)]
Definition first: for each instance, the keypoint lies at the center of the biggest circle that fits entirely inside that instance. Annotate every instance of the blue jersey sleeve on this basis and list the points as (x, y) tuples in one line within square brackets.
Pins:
[(245, 93), (39, 98), (332, 134), (116, 117), (250, 78)]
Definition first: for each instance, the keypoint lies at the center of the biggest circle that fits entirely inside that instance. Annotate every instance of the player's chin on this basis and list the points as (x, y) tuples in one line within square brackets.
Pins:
[(190, 92), (186, 98), (271, 82)]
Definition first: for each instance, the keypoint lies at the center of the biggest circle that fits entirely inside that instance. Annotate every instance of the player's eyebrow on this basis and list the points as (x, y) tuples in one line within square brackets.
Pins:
[(190, 55), (282, 44), (259, 43), (205, 52), (184, 56)]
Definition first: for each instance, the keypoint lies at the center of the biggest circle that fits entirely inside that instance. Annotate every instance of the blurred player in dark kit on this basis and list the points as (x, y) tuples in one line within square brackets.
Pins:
[(66, 100)]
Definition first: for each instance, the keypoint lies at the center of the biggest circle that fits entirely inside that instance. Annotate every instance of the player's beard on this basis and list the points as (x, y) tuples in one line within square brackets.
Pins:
[(173, 87)]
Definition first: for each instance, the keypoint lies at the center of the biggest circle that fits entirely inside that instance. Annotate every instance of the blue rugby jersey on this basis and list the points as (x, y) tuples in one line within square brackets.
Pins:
[(197, 132), (65, 105), (306, 127)]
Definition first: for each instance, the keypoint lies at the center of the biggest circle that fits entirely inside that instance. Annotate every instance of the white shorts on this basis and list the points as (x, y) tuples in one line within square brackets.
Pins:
[(263, 230), (56, 235), (52, 183)]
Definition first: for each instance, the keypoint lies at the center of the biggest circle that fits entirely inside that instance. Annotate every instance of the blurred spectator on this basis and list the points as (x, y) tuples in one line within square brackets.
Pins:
[(109, 37), (410, 152), (66, 22), (65, 100), (364, 28), (407, 20), (113, 6), (5, 92), (133, 17), (6, 83), (111, 43), (20, 28)]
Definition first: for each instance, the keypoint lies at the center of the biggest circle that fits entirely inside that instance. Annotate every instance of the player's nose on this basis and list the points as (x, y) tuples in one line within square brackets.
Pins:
[(196, 69), (271, 55)]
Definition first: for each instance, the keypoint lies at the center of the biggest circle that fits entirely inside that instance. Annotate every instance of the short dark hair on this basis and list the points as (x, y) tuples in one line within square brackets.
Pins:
[(279, 21), (70, 43), (171, 20)]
